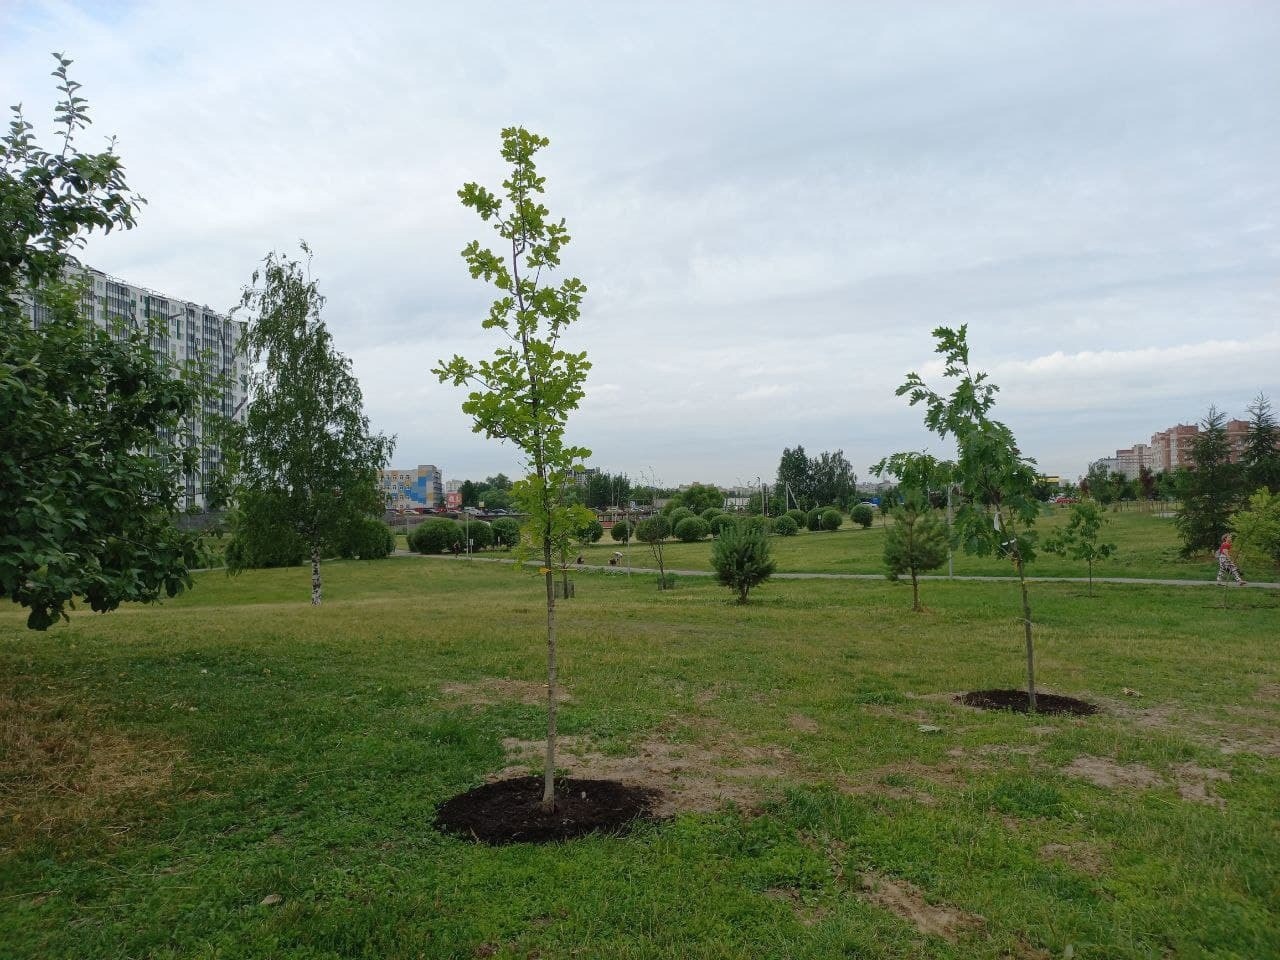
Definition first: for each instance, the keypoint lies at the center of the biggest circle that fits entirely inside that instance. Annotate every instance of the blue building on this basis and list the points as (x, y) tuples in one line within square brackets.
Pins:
[(409, 489)]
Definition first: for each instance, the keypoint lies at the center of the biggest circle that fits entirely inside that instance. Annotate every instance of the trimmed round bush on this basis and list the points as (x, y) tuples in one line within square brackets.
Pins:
[(481, 533), (813, 519), (368, 539), (756, 522), (710, 513), (786, 526), (620, 531), (862, 515), (653, 529), (831, 519), (692, 529), (592, 532), (506, 532), (797, 516), (678, 514), (435, 535), (720, 522)]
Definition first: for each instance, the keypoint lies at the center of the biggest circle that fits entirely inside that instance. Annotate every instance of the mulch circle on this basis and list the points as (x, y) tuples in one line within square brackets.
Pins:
[(1019, 701), (510, 811)]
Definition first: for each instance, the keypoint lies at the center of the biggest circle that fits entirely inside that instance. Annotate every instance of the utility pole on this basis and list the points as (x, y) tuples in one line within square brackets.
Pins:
[(951, 572)]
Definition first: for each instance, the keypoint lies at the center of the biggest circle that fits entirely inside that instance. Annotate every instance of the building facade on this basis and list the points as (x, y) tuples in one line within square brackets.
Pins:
[(188, 336), (413, 489)]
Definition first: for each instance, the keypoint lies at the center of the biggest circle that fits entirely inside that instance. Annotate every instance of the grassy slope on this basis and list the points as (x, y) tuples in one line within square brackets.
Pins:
[(259, 746)]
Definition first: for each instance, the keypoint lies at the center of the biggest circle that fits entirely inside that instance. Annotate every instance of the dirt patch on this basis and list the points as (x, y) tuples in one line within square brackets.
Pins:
[(1018, 701), (691, 778), (493, 691), (1078, 856), (1227, 738), (1103, 772), (894, 780), (1193, 781), (798, 721), (906, 900), (63, 769), (510, 811)]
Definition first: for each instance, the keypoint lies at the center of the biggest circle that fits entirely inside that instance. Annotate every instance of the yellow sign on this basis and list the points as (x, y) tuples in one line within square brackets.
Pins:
[(544, 570)]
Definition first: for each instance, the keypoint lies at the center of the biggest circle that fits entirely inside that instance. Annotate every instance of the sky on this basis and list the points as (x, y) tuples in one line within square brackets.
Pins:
[(772, 205)]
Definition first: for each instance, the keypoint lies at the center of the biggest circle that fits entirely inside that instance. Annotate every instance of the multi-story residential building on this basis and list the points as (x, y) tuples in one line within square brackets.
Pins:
[(1171, 449), (187, 335), (410, 489)]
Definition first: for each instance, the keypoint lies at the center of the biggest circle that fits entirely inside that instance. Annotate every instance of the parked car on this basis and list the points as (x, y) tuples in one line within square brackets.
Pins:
[(1064, 500)]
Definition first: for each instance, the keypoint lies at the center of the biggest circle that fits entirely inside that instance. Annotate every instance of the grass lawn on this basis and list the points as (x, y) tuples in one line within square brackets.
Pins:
[(1146, 546), (165, 769)]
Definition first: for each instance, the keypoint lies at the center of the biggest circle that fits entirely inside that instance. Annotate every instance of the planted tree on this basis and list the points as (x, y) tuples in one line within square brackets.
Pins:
[(831, 519), (506, 532), (1260, 460), (692, 529), (862, 515), (93, 450), (1080, 538), (1257, 531), (998, 506), (742, 558), (621, 532), (436, 536), (654, 531), (525, 393), (1210, 490), (304, 455), (919, 540), (786, 526)]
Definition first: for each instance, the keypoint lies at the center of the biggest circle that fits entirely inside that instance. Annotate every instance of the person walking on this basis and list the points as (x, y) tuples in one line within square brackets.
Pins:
[(1226, 564)]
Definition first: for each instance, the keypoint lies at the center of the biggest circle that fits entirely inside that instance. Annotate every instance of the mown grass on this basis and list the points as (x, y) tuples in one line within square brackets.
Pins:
[(1146, 546), (164, 769)]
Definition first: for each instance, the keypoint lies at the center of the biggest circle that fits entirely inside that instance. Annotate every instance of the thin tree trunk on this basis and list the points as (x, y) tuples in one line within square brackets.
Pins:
[(1026, 626), (915, 592), (1091, 578), (549, 774), (315, 574)]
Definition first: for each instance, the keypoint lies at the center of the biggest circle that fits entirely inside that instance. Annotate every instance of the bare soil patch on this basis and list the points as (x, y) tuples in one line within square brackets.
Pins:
[(1017, 700), (691, 778), (1104, 772), (495, 690), (807, 913), (1192, 782), (1078, 856), (63, 770), (906, 900), (510, 811), (803, 724)]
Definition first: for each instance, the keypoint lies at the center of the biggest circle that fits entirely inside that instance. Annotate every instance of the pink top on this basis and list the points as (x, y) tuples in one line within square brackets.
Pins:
[(1224, 550)]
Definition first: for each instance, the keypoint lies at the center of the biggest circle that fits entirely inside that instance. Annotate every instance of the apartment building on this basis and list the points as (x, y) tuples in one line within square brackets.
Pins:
[(409, 489), (183, 333)]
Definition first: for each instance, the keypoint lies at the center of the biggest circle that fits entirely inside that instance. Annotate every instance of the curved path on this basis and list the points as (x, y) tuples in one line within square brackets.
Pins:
[(866, 576)]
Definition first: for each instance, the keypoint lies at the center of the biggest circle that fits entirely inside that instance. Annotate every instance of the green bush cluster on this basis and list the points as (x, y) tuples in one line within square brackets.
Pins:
[(435, 535), (786, 526), (721, 521), (506, 532), (367, 539), (692, 529), (862, 515), (830, 519), (620, 531), (797, 517)]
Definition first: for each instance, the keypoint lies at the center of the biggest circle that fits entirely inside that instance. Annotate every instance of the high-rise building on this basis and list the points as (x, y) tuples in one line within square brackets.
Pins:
[(182, 333), (409, 489)]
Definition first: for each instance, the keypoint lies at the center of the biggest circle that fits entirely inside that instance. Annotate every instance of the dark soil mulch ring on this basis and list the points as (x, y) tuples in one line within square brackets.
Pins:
[(510, 811), (1019, 701)]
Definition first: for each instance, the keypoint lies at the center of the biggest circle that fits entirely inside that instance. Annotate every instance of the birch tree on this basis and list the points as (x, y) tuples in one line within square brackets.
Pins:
[(525, 392), (304, 457)]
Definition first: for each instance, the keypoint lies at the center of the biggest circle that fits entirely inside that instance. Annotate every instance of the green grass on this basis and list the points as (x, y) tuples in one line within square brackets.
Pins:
[(1146, 547), (164, 769)]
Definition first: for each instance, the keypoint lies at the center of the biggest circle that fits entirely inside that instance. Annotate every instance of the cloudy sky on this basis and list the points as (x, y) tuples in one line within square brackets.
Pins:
[(772, 204)]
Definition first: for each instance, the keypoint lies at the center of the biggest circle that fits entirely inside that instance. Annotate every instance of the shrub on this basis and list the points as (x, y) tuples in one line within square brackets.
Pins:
[(592, 532), (831, 519), (813, 519), (435, 535), (862, 515), (653, 531), (678, 514), (692, 529), (786, 526), (711, 513), (620, 531), (915, 544), (506, 532), (367, 539), (263, 542), (480, 532), (741, 558), (718, 523), (797, 516), (757, 522)]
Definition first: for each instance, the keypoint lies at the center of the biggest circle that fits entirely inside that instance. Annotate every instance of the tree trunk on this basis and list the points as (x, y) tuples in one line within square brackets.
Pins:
[(315, 574), (1026, 626), (1091, 578), (549, 774), (915, 592)]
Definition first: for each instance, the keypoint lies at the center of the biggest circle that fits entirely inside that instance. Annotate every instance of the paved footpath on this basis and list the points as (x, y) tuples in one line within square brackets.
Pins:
[(869, 576)]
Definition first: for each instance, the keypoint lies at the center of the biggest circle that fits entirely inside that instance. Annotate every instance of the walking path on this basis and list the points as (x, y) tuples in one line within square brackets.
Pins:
[(867, 576)]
